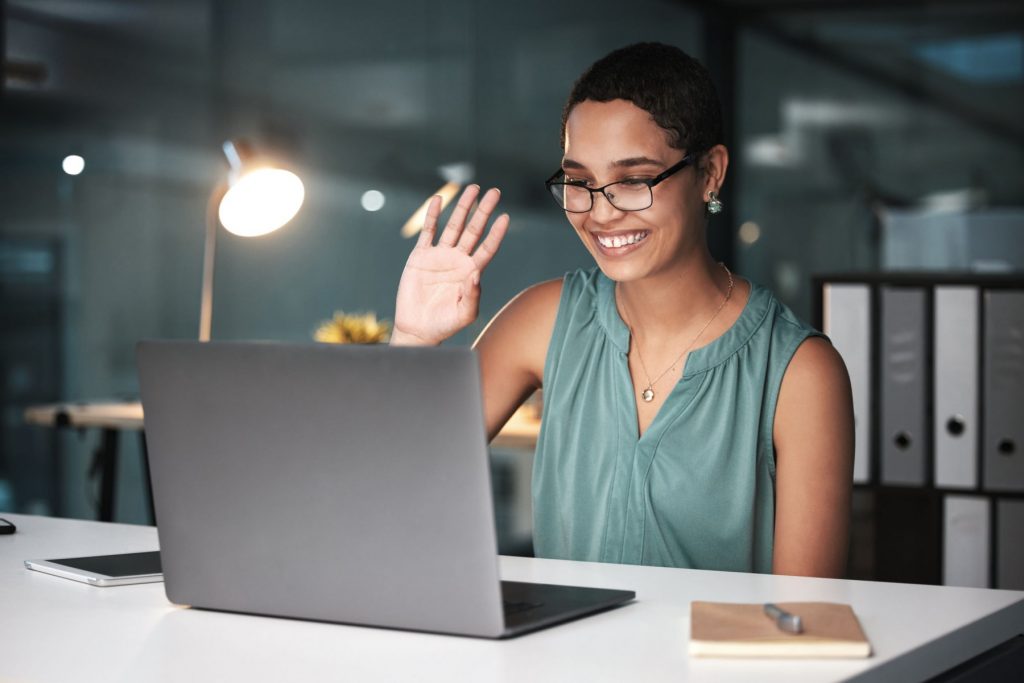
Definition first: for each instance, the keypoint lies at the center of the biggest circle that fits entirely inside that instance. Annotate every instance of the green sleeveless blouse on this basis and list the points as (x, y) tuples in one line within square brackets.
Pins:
[(698, 488)]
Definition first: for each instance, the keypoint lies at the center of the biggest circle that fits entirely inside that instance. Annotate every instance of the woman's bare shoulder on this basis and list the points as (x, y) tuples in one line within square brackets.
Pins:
[(521, 330), (534, 307), (541, 298)]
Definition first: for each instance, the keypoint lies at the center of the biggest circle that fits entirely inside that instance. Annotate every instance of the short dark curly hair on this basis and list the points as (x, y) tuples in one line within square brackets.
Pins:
[(673, 87)]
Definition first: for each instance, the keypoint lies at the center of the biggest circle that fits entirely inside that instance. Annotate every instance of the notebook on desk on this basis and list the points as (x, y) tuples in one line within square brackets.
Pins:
[(336, 483)]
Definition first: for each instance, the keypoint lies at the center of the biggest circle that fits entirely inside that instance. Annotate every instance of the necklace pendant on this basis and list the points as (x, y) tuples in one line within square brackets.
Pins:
[(648, 395)]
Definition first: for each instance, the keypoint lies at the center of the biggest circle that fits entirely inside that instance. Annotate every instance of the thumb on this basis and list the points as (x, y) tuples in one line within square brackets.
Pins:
[(470, 291)]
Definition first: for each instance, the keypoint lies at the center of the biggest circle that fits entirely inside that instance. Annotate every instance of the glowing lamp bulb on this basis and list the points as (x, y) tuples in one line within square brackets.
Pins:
[(261, 201), (73, 164)]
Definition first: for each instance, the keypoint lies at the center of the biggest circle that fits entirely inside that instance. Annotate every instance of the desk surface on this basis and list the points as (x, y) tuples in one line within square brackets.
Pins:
[(102, 414), (52, 629), (519, 432)]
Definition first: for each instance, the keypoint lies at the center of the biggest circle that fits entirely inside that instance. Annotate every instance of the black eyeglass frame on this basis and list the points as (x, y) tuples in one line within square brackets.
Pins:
[(688, 160)]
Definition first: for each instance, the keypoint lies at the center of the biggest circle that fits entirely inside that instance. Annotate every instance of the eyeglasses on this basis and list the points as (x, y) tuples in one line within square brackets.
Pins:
[(634, 194)]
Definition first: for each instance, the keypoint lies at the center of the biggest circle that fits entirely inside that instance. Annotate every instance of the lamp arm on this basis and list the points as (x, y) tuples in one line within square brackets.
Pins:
[(209, 253)]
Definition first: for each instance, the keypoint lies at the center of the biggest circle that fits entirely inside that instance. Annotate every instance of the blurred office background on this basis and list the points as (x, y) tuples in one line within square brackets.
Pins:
[(865, 136)]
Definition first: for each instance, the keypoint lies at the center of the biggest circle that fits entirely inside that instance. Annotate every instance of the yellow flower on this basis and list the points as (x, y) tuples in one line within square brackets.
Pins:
[(353, 329)]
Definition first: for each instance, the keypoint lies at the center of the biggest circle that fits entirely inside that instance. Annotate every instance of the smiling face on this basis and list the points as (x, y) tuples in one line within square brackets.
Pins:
[(607, 142)]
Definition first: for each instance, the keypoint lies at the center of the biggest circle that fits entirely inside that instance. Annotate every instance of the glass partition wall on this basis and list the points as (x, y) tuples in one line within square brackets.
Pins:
[(878, 136)]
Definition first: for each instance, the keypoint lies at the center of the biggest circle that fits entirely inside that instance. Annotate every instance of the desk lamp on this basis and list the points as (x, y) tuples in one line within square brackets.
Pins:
[(255, 199), (455, 175)]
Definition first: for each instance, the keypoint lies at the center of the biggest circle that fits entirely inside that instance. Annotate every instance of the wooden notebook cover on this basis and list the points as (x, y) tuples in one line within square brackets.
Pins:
[(725, 629)]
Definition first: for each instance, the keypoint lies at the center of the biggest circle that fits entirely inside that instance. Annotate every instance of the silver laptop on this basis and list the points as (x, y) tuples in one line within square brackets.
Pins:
[(337, 483)]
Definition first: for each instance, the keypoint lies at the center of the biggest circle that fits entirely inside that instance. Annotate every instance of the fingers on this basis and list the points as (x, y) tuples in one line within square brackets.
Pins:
[(464, 237), (430, 222), (457, 220), (476, 226), (489, 247)]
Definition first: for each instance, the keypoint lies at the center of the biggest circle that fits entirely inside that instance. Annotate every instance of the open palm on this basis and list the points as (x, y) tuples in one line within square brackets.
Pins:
[(439, 293)]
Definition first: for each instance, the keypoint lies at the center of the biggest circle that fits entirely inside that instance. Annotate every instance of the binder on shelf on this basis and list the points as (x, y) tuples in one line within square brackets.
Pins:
[(903, 431), (965, 546), (1009, 549), (1003, 368), (846, 315), (955, 427)]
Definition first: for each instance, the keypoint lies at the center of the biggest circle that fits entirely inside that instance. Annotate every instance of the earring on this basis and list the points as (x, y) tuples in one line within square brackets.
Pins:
[(714, 203)]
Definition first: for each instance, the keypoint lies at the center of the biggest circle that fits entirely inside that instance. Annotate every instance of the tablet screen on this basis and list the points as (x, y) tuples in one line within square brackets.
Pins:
[(128, 564)]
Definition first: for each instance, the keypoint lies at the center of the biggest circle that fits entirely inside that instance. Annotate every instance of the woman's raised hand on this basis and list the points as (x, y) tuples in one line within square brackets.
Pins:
[(439, 293)]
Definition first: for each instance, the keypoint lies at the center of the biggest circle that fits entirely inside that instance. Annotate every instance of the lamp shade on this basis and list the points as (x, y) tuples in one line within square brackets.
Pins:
[(255, 199), (261, 200)]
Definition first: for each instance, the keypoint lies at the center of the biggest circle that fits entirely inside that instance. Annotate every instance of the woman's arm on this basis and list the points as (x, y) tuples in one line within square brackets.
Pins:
[(512, 350), (813, 434)]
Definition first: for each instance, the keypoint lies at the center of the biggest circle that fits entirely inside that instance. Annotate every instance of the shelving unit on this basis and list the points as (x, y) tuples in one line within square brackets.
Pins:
[(936, 363)]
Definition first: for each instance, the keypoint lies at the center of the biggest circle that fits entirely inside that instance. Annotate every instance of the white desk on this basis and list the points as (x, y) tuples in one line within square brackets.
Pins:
[(520, 431), (112, 417), (102, 414), (53, 629)]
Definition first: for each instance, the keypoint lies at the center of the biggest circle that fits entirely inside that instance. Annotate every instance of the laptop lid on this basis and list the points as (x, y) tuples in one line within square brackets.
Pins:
[(336, 483)]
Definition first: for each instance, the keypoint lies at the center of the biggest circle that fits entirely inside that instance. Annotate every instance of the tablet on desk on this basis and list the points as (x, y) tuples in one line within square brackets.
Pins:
[(105, 570)]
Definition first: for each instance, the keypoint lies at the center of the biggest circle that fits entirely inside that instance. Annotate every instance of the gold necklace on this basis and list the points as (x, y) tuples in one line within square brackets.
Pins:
[(648, 394)]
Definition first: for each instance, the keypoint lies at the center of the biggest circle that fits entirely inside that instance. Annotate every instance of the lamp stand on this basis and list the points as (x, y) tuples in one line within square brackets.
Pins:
[(209, 252)]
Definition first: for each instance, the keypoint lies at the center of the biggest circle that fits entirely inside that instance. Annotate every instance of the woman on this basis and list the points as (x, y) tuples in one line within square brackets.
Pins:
[(689, 419)]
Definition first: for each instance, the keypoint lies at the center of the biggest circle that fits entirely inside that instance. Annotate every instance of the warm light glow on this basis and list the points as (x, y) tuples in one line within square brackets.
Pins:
[(372, 200), (261, 201), (413, 226), (73, 164), (750, 232)]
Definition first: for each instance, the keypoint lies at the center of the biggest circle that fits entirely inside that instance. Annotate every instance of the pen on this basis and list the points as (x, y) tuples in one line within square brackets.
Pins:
[(790, 623)]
